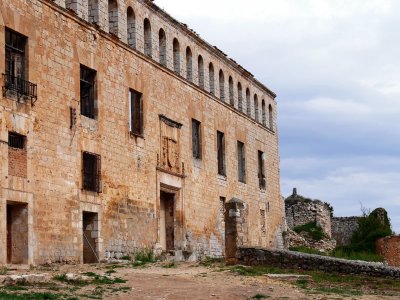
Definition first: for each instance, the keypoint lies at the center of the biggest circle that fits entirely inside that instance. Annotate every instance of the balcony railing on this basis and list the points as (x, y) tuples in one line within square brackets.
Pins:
[(23, 88)]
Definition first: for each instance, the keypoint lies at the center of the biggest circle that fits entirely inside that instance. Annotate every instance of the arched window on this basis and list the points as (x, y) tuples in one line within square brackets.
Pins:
[(189, 65), (264, 113), (72, 5), (231, 99), (221, 85), (240, 97), (113, 17), (256, 107), (211, 78), (93, 11), (248, 102), (162, 44), (148, 47), (271, 117), (201, 71), (131, 27), (177, 56)]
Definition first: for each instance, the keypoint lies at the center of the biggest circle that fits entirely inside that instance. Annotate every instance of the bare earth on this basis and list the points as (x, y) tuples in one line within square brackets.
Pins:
[(182, 281)]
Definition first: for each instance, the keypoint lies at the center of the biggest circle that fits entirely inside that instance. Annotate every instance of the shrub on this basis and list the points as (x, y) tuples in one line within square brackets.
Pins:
[(315, 231)]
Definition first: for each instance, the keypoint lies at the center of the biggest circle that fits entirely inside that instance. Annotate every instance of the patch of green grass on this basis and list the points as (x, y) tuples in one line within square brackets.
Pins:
[(169, 265), (30, 296), (302, 283), (315, 231), (145, 256), (109, 272), (307, 250), (126, 257), (260, 296), (257, 270), (211, 261), (63, 278), (3, 271), (343, 252), (16, 287)]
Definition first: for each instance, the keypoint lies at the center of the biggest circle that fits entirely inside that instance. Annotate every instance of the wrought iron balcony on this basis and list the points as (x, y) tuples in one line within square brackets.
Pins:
[(22, 88)]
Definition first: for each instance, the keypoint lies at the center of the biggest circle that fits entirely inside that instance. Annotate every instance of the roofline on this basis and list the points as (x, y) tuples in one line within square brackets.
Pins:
[(246, 74)]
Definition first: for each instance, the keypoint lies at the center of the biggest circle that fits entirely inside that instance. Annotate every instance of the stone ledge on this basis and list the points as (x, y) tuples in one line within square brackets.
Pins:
[(296, 260)]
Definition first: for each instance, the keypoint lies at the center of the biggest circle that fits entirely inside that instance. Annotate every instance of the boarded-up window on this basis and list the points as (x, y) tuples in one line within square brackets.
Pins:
[(196, 139), (17, 156), (136, 112), (91, 172), (87, 90), (221, 153), (241, 162), (261, 170)]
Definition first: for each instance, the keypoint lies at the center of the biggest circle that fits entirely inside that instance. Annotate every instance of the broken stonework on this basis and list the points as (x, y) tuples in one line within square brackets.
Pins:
[(20, 279)]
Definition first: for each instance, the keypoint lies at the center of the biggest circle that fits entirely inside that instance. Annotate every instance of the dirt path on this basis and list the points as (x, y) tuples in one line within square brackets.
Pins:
[(169, 281)]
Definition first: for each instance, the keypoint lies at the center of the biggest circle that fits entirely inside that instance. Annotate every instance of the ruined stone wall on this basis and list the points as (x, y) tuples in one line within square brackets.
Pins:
[(128, 206), (304, 261), (300, 212), (343, 229), (389, 248)]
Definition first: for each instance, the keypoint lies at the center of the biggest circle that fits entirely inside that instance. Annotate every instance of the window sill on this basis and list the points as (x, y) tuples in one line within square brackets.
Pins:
[(132, 134), (222, 177)]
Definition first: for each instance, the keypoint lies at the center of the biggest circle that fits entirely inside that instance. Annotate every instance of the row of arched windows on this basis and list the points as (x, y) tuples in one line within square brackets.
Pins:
[(113, 23)]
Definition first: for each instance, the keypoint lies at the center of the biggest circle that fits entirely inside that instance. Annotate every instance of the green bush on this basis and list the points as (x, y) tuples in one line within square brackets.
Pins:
[(315, 231)]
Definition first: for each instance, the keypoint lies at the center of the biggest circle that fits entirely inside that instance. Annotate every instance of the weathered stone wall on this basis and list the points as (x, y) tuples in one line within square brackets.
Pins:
[(129, 205), (302, 211), (389, 248), (343, 229), (297, 260)]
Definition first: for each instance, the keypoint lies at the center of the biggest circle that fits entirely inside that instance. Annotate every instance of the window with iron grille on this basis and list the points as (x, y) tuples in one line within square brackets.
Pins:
[(91, 169), (15, 54), (241, 162), (221, 153), (261, 170), (136, 112), (87, 89), (16, 140), (196, 139)]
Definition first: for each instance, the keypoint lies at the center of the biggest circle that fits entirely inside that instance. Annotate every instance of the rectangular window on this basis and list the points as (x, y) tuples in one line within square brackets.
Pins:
[(87, 82), (221, 153), (17, 156), (196, 139), (241, 162), (136, 112), (91, 169), (261, 171), (15, 55), (16, 140)]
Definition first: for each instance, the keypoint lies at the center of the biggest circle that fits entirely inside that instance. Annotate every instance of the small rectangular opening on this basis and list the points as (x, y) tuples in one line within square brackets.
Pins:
[(221, 153), (17, 233), (136, 112), (16, 140), (91, 172), (261, 170), (90, 232), (87, 91), (196, 139), (241, 162)]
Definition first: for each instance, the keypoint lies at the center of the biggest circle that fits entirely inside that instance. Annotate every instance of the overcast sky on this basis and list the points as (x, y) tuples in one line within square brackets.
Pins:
[(335, 66)]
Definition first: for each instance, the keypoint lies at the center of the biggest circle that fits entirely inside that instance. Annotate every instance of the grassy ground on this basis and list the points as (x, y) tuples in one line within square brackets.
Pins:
[(329, 283)]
